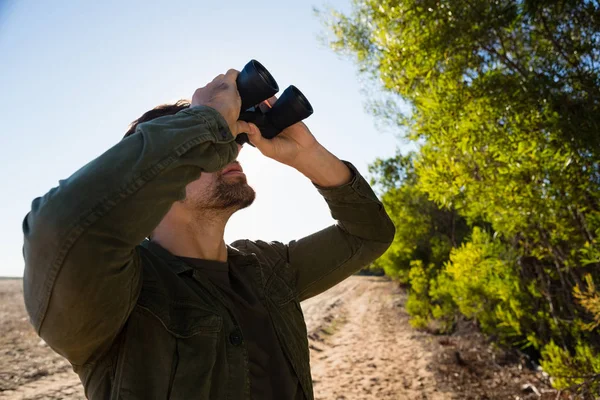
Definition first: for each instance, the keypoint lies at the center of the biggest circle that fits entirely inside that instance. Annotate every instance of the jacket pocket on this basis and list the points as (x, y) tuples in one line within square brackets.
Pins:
[(195, 375), (181, 318), (169, 352)]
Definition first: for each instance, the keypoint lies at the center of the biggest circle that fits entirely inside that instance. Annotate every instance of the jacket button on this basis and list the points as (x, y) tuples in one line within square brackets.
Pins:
[(235, 337)]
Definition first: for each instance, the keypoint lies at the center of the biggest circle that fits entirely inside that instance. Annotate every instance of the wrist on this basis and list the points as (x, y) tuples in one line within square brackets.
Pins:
[(322, 168)]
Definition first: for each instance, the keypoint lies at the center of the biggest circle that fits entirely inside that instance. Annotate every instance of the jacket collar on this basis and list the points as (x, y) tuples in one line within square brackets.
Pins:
[(177, 265)]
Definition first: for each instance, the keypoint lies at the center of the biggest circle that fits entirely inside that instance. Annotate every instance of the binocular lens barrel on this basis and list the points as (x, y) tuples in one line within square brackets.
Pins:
[(255, 84), (290, 108)]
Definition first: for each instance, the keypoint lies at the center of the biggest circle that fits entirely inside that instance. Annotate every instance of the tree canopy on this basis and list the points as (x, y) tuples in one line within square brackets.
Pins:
[(498, 211)]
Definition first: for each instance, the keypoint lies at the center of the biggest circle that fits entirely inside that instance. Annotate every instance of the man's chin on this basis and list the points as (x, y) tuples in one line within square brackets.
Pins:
[(237, 184), (235, 193)]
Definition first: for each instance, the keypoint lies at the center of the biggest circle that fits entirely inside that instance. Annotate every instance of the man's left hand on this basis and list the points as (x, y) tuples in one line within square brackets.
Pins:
[(289, 146), (297, 147)]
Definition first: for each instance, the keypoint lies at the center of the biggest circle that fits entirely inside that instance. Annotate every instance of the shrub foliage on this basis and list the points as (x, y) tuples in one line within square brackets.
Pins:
[(498, 212)]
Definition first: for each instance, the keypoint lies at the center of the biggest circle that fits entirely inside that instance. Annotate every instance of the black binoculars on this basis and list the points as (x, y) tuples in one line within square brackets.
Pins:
[(255, 85)]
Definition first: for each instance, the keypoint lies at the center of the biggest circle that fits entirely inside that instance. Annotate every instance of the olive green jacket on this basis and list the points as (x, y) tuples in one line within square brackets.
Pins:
[(135, 321)]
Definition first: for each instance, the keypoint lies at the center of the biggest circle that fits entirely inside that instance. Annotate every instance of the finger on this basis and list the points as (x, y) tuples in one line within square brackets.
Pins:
[(244, 127), (231, 75), (218, 78), (254, 135)]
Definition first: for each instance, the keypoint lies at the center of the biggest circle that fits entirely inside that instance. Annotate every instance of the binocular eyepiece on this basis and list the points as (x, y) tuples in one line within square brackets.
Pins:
[(255, 85)]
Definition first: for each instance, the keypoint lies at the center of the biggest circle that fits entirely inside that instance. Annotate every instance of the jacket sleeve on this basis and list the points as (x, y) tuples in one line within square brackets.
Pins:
[(363, 232), (82, 270)]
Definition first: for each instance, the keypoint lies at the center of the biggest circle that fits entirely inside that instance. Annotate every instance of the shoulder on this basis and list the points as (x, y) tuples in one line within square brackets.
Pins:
[(267, 252), (279, 276)]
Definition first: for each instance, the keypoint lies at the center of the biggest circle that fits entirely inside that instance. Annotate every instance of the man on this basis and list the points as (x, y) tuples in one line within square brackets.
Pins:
[(182, 315)]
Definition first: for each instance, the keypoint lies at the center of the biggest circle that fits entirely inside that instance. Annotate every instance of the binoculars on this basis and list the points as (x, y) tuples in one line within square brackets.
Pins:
[(255, 85)]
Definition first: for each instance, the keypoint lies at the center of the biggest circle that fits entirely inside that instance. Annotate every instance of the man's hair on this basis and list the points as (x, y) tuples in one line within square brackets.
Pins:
[(158, 111)]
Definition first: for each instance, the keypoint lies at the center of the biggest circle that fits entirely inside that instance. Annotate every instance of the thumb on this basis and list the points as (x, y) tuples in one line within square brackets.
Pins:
[(244, 127), (254, 136)]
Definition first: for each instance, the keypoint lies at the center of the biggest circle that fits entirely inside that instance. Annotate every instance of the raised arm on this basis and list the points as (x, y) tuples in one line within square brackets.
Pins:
[(362, 233), (363, 230), (82, 272)]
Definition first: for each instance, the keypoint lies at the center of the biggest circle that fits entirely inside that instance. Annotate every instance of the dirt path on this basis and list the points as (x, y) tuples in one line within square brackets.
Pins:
[(362, 348), (63, 385)]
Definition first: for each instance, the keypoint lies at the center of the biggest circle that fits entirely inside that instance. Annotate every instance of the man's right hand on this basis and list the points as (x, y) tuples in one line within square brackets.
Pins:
[(222, 95)]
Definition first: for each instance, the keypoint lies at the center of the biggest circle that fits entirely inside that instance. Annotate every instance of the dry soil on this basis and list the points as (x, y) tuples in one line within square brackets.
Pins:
[(362, 347)]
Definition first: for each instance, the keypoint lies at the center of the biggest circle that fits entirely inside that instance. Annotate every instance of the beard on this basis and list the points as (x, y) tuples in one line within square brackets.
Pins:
[(234, 194)]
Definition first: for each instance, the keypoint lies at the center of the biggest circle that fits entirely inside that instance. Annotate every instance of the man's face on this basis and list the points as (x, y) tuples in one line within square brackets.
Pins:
[(225, 190)]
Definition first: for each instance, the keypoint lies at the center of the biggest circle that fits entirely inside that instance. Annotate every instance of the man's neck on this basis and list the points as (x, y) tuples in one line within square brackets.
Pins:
[(199, 237)]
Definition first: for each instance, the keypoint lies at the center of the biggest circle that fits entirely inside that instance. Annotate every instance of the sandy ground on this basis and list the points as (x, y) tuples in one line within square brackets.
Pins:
[(362, 347), (361, 350)]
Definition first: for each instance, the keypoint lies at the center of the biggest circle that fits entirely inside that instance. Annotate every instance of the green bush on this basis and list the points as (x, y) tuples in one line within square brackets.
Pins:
[(502, 99), (576, 367)]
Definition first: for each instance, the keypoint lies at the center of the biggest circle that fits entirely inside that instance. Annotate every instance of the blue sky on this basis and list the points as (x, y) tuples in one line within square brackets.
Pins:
[(74, 74)]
